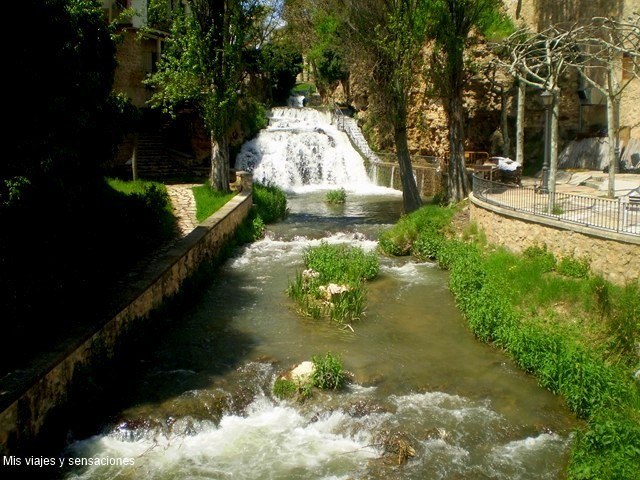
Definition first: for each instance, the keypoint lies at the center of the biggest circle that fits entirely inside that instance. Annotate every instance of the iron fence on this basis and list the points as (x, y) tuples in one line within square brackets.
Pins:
[(620, 215)]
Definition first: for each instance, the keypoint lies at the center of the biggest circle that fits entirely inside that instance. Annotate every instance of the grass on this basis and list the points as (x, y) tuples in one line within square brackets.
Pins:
[(304, 88), (209, 201), (328, 372), (577, 333), (333, 284), (336, 197)]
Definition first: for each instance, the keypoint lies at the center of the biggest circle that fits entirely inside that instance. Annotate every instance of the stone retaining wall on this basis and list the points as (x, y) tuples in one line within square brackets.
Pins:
[(614, 256), (29, 406)]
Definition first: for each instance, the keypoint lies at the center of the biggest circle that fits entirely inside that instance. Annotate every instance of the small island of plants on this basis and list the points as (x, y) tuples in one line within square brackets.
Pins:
[(333, 282)]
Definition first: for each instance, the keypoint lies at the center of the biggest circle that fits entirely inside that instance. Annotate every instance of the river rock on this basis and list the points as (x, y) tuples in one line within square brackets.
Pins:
[(332, 289), (302, 373)]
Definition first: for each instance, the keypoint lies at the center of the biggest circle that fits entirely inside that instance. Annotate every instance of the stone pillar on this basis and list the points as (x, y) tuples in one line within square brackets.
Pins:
[(244, 180)]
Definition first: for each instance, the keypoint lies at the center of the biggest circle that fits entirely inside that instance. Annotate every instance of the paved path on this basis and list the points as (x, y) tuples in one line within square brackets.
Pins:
[(184, 206)]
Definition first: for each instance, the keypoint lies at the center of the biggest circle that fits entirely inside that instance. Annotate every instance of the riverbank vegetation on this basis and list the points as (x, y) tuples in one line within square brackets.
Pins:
[(333, 284), (336, 197), (576, 332)]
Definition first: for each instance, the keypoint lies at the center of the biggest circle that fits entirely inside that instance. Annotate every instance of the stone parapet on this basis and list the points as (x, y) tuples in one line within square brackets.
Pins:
[(614, 256), (32, 401)]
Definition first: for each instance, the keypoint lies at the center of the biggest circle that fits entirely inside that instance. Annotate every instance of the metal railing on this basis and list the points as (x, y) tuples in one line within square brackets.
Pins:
[(621, 215)]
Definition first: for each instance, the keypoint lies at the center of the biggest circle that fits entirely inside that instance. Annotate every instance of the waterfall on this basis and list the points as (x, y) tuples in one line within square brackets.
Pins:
[(393, 174), (301, 150)]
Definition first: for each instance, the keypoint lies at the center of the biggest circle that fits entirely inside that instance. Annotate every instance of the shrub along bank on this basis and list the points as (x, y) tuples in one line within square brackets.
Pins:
[(577, 333)]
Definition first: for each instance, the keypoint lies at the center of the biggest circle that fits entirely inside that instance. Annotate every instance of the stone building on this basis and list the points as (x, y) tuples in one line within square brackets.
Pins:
[(583, 110)]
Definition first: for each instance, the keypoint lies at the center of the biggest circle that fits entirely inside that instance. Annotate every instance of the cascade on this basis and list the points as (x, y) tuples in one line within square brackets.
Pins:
[(302, 150)]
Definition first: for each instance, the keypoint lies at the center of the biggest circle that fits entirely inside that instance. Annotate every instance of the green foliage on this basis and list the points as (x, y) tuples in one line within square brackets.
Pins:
[(573, 267), (541, 255), (284, 388), (208, 201), (160, 15), (147, 208), (270, 201), (326, 52), (281, 62), (304, 88), (399, 239), (336, 196), (623, 322), (608, 448), (496, 24), (347, 267), (76, 122), (341, 263), (328, 373)]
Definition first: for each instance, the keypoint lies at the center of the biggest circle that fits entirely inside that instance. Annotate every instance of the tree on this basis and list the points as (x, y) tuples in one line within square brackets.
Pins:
[(391, 33), (203, 66), (539, 60), (450, 25), (60, 105), (602, 45)]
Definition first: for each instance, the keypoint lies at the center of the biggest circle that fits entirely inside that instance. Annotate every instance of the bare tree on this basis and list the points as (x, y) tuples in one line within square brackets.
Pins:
[(603, 45), (539, 60)]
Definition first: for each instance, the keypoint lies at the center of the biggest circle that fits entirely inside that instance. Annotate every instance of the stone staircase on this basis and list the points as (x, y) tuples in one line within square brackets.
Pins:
[(350, 127), (152, 158)]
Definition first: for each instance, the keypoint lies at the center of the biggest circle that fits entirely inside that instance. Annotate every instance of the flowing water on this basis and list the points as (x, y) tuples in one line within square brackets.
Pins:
[(203, 408)]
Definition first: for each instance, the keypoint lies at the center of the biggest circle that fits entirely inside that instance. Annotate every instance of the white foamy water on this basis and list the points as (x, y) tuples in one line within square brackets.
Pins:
[(285, 440), (267, 251), (301, 151)]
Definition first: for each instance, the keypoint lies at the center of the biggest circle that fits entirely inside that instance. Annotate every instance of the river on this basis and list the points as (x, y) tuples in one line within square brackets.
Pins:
[(201, 405)]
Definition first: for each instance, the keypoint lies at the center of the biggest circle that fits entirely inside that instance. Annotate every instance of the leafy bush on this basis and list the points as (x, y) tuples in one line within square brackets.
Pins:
[(573, 267), (270, 201), (608, 448), (399, 239), (328, 373), (284, 388), (336, 196)]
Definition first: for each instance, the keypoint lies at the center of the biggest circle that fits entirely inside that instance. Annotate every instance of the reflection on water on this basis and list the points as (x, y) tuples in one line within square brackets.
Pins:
[(203, 407)]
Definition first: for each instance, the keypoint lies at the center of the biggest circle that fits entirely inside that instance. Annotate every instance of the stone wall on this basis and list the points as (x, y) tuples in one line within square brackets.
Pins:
[(134, 56), (29, 407), (614, 256)]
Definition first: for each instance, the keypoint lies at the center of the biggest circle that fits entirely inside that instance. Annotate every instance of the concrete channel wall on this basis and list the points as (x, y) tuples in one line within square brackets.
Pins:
[(386, 174), (613, 255), (29, 407)]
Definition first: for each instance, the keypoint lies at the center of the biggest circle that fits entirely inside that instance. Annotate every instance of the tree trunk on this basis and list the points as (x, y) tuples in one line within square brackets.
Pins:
[(219, 177), (522, 93), (410, 195), (504, 122), (458, 182), (611, 133), (553, 154)]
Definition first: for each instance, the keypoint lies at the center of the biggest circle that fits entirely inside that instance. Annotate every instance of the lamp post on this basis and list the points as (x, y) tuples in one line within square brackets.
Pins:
[(547, 100)]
